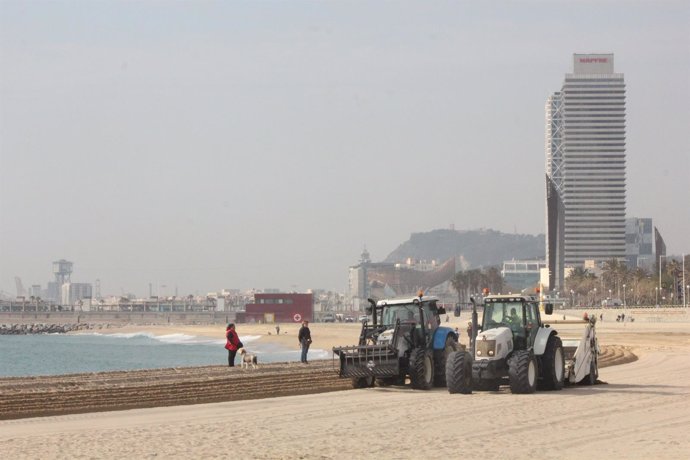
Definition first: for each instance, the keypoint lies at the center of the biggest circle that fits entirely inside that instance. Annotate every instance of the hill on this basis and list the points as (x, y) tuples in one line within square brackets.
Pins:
[(477, 248)]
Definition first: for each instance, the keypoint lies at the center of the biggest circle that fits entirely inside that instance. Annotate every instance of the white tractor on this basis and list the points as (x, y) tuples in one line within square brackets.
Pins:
[(513, 344)]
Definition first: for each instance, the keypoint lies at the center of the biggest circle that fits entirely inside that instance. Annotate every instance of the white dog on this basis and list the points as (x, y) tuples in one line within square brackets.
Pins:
[(247, 359)]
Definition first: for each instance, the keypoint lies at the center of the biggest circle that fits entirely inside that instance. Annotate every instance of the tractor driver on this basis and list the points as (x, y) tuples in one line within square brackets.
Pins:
[(513, 319)]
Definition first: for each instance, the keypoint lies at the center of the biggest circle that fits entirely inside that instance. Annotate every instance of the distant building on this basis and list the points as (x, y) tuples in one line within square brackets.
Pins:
[(280, 308), (585, 159), (639, 243), (659, 246), (555, 219), (383, 279), (72, 293), (522, 274)]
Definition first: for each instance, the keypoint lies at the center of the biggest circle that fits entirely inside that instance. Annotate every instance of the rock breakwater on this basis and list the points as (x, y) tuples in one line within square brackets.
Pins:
[(41, 328)]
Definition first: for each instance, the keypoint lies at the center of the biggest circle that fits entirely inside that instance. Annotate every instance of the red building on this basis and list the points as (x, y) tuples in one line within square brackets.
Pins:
[(280, 308)]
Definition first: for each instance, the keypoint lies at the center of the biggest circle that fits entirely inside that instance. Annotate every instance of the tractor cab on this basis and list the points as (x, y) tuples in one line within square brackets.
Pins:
[(518, 314), (417, 318)]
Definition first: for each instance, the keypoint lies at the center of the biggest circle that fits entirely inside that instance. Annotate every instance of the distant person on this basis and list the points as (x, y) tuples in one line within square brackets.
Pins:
[(304, 338), (278, 329), (233, 343), (469, 330), (601, 317)]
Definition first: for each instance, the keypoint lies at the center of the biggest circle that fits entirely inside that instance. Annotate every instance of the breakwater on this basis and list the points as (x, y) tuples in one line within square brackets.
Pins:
[(116, 317), (25, 329)]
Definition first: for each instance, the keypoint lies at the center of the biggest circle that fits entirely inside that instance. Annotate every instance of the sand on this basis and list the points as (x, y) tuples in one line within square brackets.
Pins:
[(642, 411)]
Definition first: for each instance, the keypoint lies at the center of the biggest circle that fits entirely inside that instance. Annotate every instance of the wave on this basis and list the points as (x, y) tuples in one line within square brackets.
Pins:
[(177, 339)]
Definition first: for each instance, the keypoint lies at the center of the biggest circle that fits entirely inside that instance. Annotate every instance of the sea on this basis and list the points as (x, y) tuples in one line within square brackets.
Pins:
[(57, 354)]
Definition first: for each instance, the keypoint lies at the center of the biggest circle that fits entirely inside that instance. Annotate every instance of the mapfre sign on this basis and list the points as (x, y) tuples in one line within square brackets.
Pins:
[(596, 60), (593, 63)]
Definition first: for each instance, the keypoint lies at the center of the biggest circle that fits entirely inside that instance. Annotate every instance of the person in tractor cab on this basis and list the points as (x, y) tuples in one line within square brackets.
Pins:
[(513, 319)]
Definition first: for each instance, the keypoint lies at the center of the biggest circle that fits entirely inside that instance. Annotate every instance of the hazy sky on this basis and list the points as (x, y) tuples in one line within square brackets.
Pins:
[(210, 145)]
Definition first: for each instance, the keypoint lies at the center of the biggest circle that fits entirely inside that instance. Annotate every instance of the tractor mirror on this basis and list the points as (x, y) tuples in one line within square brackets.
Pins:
[(441, 310), (548, 308), (369, 310)]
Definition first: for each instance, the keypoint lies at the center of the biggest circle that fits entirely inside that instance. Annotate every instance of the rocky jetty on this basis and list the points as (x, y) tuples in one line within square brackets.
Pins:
[(40, 328)]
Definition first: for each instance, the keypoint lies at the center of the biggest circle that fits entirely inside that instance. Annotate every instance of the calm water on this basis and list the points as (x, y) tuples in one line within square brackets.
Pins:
[(52, 354)]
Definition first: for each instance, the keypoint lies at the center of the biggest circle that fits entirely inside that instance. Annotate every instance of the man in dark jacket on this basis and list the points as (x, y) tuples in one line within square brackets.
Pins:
[(304, 338), (233, 343)]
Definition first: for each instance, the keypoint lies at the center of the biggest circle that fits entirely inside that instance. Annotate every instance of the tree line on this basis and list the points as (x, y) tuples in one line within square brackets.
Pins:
[(585, 288), (633, 286)]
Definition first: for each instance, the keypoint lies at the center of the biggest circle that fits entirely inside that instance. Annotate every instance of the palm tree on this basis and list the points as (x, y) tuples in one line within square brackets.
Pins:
[(459, 283)]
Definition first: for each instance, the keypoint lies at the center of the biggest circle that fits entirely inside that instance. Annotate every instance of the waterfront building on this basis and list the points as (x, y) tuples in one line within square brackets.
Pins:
[(639, 243), (522, 274), (279, 308), (585, 162), (72, 293)]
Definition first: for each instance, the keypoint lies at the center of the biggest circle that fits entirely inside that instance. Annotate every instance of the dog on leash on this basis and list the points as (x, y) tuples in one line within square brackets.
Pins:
[(247, 359)]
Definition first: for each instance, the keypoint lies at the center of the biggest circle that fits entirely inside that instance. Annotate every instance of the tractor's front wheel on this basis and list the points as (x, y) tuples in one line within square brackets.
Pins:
[(459, 372), (522, 372), (421, 369), (440, 361), (362, 382)]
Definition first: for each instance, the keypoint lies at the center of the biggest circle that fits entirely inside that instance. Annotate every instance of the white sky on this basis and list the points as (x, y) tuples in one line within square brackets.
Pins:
[(210, 145)]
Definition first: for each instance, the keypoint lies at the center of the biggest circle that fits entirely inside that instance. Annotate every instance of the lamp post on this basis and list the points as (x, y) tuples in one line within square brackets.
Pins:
[(685, 303), (660, 271), (572, 299), (656, 291), (624, 304), (595, 296)]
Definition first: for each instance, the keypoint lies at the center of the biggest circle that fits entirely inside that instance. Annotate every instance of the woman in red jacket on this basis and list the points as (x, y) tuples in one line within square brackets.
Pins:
[(233, 343)]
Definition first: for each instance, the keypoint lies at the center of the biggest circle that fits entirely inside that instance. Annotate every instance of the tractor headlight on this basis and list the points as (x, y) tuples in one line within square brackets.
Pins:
[(486, 348)]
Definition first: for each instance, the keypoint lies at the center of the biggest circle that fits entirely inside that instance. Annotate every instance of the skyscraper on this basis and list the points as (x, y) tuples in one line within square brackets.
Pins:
[(585, 161)]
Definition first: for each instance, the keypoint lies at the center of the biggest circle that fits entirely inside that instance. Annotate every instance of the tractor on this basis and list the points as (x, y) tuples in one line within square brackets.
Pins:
[(404, 339), (511, 345)]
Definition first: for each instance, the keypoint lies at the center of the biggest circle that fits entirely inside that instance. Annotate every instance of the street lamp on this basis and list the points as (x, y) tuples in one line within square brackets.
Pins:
[(572, 298), (660, 271), (595, 296), (624, 296), (656, 291)]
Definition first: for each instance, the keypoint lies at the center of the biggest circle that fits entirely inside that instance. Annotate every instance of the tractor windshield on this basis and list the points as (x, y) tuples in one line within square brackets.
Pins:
[(392, 313), (503, 314)]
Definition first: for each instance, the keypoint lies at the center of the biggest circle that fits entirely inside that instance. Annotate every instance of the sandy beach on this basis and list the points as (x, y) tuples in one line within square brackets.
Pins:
[(641, 410)]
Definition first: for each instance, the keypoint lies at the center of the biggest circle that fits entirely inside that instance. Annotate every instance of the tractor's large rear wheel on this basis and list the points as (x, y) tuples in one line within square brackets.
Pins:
[(459, 372), (522, 372), (362, 382), (553, 365), (421, 369), (440, 361)]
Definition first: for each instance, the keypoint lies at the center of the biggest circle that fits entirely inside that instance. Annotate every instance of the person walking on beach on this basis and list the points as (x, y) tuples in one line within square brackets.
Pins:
[(304, 338), (278, 329), (233, 343)]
